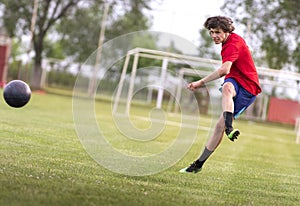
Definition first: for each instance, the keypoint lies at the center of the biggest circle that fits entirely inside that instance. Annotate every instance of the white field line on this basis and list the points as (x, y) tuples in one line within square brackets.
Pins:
[(193, 126), (168, 122)]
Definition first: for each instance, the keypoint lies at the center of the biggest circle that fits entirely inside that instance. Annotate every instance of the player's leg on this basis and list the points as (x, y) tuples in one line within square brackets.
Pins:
[(229, 91), (242, 100), (217, 136), (211, 145)]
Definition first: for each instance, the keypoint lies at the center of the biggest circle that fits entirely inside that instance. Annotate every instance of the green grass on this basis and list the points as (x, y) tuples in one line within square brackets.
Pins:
[(42, 162)]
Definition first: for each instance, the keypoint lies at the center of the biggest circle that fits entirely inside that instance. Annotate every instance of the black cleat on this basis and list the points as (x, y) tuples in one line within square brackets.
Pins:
[(233, 134), (193, 168)]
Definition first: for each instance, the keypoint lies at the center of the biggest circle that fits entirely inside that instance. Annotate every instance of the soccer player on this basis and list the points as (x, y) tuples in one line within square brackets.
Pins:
[(240, 87)]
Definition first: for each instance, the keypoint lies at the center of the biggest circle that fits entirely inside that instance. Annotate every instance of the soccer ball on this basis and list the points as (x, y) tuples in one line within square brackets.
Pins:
[(17, 93)]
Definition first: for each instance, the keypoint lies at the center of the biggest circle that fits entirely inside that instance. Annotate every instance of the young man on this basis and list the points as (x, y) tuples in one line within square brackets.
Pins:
[(240, 87)]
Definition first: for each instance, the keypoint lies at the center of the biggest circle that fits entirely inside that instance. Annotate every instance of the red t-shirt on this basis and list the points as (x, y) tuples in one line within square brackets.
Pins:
[(243, 69)]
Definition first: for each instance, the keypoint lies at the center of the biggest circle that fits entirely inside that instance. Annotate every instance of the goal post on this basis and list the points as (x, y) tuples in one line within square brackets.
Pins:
[(165, 57)]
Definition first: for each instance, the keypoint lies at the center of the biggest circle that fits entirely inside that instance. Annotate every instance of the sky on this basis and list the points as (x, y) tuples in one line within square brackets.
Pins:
[(184, 17)]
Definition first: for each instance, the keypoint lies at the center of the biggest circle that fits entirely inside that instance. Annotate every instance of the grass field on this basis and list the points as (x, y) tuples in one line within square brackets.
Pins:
[(42, 162)]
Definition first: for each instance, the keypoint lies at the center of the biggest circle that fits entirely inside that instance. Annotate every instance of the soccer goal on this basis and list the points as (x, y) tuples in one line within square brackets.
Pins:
[(269, 78), (165, 58)]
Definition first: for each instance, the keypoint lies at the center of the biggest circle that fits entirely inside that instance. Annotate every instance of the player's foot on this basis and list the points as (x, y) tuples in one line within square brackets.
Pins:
[(233, 134), (193, 168)]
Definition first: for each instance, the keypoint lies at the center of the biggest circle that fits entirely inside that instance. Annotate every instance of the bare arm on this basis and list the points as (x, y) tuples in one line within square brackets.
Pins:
[(222, 71)]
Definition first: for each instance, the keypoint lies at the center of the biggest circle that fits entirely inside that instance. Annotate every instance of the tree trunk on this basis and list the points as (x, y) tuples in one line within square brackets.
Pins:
[(37, 68), (36, 76)]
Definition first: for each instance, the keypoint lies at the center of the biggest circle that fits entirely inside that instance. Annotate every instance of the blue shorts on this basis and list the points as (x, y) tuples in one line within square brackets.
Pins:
[(242, 100)]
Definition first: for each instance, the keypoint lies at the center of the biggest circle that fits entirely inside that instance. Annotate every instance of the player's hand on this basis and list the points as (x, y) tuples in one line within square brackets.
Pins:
[(195, 85)]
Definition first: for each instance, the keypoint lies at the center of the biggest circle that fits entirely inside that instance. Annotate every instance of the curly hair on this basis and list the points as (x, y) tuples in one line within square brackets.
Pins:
[(221, 22)]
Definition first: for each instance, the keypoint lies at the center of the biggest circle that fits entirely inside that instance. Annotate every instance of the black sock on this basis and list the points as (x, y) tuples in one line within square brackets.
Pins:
[(204, 156), (228, 118)]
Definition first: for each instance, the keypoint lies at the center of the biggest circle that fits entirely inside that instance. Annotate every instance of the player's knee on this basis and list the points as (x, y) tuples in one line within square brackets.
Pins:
[(228, 89)]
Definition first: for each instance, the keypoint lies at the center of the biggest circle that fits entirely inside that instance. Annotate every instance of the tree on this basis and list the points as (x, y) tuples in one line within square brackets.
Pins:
[(80, 32), (132, 20), (51, 13), (17, 20), (275, 23)]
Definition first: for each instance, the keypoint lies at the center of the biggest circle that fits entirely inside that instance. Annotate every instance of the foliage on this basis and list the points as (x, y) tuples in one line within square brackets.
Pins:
[(132, 20), (74, 22), (274, 23), (61, 79), (15, 48), (80, 32), (18, 15), (145, 41), (54, 50), (13, 71)]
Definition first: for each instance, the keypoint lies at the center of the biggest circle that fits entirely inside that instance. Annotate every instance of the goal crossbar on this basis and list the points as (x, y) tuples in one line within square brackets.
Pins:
[(165, 57)]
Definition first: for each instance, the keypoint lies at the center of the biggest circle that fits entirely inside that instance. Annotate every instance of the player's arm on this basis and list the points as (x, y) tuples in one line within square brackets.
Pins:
[(222, 71)]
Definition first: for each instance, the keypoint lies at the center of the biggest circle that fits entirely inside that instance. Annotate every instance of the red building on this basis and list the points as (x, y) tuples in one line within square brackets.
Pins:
[(5, 45)]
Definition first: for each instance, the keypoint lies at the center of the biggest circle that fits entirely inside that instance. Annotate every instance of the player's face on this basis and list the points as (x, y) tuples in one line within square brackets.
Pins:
[(218, 35)]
